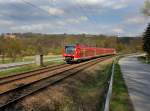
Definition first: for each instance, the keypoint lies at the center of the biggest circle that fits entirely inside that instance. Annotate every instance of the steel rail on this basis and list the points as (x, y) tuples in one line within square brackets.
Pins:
[(1, 78), (85, 65), (49, 75), (24, 75)]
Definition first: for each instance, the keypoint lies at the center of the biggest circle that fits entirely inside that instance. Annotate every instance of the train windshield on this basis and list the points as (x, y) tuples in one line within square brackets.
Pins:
[(70, 49)]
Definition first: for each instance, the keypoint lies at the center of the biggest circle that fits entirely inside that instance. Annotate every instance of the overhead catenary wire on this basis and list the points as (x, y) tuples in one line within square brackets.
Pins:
[(67, 13), (78, 5), (88, 6), (41, 9), (35, 6), (52, 1), (85, 13), (45, 11)]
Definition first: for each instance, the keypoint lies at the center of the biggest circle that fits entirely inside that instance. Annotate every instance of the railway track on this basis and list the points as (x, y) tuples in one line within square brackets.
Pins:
[(4, 80), (25, 74), (13, 95)]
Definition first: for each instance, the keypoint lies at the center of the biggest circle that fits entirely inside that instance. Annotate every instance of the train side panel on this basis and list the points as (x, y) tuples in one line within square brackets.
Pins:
[(85, 53), (78, 53)]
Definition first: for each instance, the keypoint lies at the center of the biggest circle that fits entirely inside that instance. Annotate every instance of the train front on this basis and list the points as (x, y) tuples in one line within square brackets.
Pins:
[(69, 53)]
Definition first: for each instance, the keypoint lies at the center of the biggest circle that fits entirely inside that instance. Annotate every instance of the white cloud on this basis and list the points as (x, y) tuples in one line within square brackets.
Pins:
[(118, 30), (77, 20), (83, 18), (10, 1), (113, 4), (6, 22), (91, 1), (119, 6), (71, 13), (55, 11), (61, 23), (39, 27), (136, 20), (32, 27)]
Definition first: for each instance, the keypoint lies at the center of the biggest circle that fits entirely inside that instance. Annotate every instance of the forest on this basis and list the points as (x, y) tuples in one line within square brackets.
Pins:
[(30, 44)]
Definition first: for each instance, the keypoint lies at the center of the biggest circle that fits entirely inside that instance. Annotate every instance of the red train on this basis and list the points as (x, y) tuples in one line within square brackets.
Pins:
[(78, 52)]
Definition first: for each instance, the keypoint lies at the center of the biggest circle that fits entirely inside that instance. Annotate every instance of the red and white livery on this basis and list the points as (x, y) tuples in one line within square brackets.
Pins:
[(79, 52)]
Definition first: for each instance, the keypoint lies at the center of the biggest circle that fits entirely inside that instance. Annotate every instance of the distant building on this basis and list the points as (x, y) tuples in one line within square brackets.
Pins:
[(10, 35)]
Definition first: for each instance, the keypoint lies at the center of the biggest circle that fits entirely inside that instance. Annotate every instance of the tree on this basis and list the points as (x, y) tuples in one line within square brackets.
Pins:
[(2, 49), (146, 8), (13, 48), (146, 40)]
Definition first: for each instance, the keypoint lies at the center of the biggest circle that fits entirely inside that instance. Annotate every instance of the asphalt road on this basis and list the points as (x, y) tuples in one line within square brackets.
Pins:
[(137, 78)]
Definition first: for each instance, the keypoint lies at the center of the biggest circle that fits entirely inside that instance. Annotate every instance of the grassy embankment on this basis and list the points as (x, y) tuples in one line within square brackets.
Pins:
[(144, 59), (85, 92), (18, 70), (88, 90), (81, 92), (120, 100), (95, 89), (25, 68)]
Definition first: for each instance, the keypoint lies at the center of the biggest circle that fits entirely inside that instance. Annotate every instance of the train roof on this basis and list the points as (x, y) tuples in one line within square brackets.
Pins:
[(84, 46), (70, 45)]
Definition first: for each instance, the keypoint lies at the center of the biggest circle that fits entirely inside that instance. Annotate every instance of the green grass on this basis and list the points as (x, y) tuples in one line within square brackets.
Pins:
[(94, 89), (18, 59), (97, 80), (28, 58), (25, 68), (143, 59), (86, 90), (120, 99), (83, 91), (18, 70)]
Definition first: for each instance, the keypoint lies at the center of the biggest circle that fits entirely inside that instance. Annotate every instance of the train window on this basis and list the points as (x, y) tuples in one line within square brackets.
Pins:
[(70, 49)]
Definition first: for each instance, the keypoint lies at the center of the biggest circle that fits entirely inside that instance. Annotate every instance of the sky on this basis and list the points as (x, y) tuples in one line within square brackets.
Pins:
[(111, 17)]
